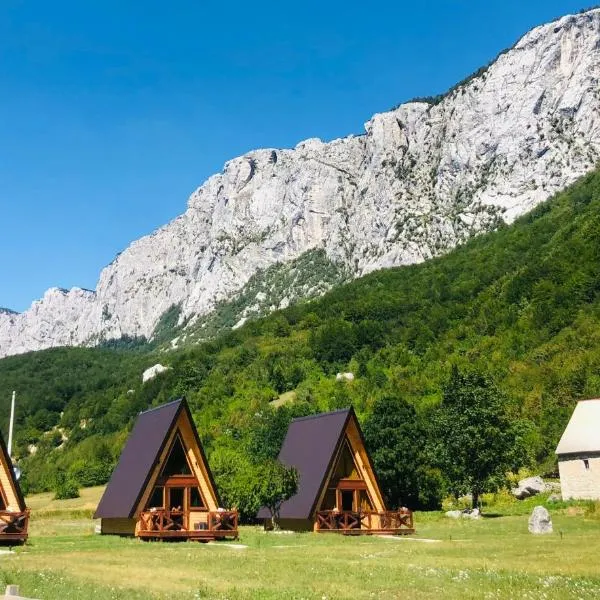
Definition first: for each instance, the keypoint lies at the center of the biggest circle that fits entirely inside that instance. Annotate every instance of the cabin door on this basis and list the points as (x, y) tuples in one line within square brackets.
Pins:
[(347, 500), (355, 498), (177, 505)]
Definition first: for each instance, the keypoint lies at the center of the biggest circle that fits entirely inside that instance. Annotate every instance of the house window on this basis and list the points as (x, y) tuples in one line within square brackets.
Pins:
[(364, 501), (345, 467), (196, 500), (586, 464), (177, 463), (156, 500), (330, 499)]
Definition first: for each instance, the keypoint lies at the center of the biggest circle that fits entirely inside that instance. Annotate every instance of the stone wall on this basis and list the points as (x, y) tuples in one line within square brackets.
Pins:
[(577, 481)]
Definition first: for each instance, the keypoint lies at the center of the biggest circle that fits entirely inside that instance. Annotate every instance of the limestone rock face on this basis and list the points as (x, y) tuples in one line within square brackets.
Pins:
[(422, 179), (344, 377), (153, 371), (540, 521)]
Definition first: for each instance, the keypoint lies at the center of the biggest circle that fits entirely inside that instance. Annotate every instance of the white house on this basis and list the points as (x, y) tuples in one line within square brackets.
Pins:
[(579, 453)]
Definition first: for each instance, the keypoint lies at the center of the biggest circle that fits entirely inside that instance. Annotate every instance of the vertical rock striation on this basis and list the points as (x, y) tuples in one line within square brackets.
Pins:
[(422, 179)]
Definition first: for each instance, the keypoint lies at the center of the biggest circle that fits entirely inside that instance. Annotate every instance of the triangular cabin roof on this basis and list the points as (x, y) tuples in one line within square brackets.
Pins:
[(140, 457), (11, 490), (582, 434), (312, 446)]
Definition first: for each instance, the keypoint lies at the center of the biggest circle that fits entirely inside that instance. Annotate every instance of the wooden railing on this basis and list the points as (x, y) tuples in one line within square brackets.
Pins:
[(357, 522), (396, 519), (162, 520), (14, 525), (330, 520), (225, 521), (172, 523)]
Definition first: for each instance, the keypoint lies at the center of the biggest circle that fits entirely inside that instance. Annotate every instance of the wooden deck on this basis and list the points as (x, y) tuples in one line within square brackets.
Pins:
[(13, 526), (399, 522), (170, 524)]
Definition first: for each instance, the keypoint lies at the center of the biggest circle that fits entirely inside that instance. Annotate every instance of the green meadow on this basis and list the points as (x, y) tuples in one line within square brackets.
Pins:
[(495, 557)]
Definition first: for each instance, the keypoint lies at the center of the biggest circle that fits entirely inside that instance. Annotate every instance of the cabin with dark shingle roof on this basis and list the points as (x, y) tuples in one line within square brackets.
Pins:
[(338, 490), (14, 516), (162, 486)]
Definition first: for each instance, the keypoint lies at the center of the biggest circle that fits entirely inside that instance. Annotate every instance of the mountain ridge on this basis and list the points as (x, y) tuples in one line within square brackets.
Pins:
[(511, 304), (420, 180)]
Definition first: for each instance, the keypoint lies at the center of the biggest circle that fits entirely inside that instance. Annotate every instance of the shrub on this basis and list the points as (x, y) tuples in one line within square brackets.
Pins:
[(592, 510), (89, 473), (65, 487)]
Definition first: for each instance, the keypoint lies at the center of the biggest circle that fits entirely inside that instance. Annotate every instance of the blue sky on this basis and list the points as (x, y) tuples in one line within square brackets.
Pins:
[(112, 112)]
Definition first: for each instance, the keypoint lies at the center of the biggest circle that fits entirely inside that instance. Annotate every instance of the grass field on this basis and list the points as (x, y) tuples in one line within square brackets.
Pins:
[(495, 557)]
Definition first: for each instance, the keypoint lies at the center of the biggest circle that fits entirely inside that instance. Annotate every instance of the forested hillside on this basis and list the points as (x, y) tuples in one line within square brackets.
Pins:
[(520, 306)]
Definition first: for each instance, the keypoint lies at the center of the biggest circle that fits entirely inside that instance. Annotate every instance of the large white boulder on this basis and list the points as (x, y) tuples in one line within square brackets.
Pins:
[(344, 377), (153, 371), (530, 486), (540, 521)]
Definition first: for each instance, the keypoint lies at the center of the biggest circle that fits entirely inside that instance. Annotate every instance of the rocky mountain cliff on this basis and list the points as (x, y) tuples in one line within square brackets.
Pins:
[(423, 178)]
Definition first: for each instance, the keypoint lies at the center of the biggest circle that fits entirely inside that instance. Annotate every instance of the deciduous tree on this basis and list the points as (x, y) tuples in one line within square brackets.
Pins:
[(279, 483), (474, 439)]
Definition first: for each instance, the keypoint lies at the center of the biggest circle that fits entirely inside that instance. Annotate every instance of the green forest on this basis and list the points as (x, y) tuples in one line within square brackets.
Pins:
[(511, 318)]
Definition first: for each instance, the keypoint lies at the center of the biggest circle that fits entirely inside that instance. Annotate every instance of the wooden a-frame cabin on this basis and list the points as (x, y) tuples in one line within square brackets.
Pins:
[(162, 487), (14, 515), (338, 490)]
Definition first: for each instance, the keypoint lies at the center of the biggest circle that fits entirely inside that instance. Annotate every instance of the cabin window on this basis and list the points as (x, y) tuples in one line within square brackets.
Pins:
[(156, 500), (346, 468), (329, 501), (364, 502), (177, 463), (196, 500), (586, 464)]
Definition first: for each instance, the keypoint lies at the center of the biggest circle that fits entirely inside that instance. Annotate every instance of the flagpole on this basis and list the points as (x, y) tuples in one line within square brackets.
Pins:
[(12, 422)]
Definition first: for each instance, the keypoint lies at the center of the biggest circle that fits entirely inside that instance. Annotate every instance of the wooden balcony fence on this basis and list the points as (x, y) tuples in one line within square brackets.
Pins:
[(13, 526), (164, 524), (399, 522)]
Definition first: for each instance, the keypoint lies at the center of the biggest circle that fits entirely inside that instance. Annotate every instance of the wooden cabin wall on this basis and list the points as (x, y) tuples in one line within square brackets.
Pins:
[(117, 526), (197, 517), (362, 461), (195, 459), (295, 524), (6, 482)]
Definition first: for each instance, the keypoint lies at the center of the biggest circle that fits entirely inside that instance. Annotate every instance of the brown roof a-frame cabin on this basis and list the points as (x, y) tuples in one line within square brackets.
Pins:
[(14, 516), (162, 486), (338, 490)]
